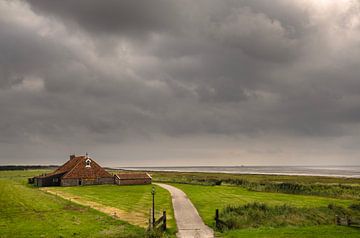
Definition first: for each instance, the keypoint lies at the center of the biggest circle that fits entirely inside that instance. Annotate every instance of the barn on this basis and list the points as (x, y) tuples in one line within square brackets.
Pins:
[(78, 170), (132, 178)]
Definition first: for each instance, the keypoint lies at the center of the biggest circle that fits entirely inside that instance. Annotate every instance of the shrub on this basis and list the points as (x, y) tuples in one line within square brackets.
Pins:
[(153, 233), (355, 206), (260, 214)]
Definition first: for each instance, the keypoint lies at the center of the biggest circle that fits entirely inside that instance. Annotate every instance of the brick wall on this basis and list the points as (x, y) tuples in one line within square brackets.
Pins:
[(132, 181), (77, 182)]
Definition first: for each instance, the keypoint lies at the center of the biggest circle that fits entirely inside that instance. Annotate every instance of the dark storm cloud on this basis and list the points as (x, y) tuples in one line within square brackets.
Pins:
[(100, 72), (112, 17)]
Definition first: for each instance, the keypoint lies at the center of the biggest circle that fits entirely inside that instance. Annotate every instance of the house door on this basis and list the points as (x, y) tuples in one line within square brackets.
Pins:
[(80, 182)]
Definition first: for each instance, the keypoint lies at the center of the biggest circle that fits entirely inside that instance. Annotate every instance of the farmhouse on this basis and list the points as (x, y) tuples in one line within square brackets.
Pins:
[(132, 178), (79, 170), (82, 170)]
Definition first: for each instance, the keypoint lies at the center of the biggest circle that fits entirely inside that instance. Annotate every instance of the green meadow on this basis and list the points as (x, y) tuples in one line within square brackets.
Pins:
[(26, 211), (134, 199), (209, 198), (346, 188), (186, 177)]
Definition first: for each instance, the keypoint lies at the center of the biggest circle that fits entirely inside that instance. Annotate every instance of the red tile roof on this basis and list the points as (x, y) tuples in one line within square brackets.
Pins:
[(129, 176), (69, 165), (81, 171), (76, 168)]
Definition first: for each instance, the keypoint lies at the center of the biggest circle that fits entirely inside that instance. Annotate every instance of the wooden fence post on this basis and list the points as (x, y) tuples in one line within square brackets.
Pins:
[(217, 218), (164, 220), (348, 221), (337, 220)]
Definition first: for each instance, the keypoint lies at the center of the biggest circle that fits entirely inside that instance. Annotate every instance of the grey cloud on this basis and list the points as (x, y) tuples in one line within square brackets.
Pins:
[(257, 35), (94, 73), (109, 17)]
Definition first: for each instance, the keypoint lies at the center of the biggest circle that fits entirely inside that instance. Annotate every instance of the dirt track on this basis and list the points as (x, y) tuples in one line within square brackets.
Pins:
[(131, 217)]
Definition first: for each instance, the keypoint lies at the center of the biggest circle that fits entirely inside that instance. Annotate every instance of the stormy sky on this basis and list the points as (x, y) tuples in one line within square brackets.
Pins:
[(161, 83)]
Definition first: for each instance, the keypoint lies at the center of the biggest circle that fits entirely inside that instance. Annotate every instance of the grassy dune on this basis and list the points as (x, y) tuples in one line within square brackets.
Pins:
[(29, 212)]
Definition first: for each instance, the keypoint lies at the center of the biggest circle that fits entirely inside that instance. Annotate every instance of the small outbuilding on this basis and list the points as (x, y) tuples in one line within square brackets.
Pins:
[(132, 178)]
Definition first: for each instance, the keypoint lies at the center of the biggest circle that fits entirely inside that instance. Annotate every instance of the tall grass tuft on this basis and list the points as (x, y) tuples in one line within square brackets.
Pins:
[(260, 214)]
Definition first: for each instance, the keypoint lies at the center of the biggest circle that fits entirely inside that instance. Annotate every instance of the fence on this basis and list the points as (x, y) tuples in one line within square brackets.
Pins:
[(218, 223), (159, 223), (346, 221)]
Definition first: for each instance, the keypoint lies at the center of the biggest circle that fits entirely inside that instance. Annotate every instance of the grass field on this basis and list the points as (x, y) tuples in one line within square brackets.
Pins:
[(135, 199), (208, 198), (24, 208), (21, 176), (346, 188), (186, 176), (29, 212)]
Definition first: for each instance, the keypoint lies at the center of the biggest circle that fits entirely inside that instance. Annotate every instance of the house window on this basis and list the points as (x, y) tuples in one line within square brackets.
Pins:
[(55, 180), (88, 162)]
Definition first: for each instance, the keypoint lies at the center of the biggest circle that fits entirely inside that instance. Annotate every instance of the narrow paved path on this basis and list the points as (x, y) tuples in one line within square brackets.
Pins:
[(187, 218)]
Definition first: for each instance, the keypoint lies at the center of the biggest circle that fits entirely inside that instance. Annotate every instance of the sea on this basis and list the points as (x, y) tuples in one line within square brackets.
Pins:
[(329, 171)]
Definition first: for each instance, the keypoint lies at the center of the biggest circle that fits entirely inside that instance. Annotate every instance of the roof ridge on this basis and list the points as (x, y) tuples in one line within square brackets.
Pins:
[(80, 160), (94, 171), (62, 166), (93, 161)]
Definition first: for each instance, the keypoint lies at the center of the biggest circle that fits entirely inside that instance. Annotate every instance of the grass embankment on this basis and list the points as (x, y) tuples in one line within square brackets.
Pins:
[(28, 212), (134, 200), (348, 188)]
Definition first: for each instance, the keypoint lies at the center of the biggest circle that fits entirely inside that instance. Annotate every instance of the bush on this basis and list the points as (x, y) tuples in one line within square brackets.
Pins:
[(260, 214), (153, 233), (355, 206)]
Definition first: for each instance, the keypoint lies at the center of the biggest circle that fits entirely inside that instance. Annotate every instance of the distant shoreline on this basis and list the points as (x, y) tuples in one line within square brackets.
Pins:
[(25, 167), (325, 171), (311, 171)]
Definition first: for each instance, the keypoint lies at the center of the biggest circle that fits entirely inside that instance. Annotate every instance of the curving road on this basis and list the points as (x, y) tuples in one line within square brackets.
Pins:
[(188, 221)]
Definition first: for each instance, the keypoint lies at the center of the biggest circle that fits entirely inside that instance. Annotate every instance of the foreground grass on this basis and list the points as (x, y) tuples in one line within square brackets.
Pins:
[(29, 212), (296, 232), (208, 198), (135, 199)]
